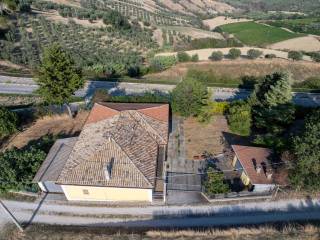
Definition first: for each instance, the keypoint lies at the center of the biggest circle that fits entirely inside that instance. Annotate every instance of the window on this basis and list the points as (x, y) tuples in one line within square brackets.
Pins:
[(85, 191)]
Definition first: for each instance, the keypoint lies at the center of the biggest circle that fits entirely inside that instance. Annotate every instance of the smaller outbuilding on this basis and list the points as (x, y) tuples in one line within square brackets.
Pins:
[(255, 167)]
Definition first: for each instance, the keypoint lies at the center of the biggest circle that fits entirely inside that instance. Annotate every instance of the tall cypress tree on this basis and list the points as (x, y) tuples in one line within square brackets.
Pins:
[(58, 76)]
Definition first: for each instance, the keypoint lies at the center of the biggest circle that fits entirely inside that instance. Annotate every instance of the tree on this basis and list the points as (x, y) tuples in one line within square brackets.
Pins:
[(58, 77), (214, 183), (273, 110), (8, 122), (234, 53), (295, 55), (195, 58), (188, 97), (183, 57), (239, 118), (254, 53), (305, 170), (216, 56)]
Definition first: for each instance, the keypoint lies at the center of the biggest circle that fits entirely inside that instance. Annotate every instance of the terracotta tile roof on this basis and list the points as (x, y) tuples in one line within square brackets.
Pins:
[(55, 160), (252, 157), (130, 138)]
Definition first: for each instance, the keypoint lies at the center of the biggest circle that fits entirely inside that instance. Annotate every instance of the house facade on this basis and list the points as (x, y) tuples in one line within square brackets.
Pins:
[(118, 155), (255, 167)]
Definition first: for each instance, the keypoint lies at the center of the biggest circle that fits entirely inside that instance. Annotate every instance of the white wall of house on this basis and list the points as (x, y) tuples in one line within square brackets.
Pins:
[(49, 186), (263, 187)]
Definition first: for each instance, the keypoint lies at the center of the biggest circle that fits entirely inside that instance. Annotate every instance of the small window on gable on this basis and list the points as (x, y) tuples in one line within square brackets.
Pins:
[(85, 191)]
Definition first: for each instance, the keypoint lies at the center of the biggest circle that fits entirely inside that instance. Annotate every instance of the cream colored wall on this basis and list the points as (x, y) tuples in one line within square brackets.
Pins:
[(245, 179), (106, 193)]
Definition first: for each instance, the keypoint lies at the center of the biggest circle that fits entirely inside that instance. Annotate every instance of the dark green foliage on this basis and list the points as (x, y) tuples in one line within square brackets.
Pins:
[(215, 183), (295, 55), (315, 56), (188, 97), (234, 53), (161, 63), (183, 57), (195, 58), (310, 83), (8, 122), (239, 118), (116, 19), (254, 53), (18, 167), (58, 78), (273, 110), (201, 43), (216, 56), (147, 97), (270, 56), (305, 170)]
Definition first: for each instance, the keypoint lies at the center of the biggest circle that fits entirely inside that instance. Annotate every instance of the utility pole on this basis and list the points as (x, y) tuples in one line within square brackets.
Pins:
[(11, 216)]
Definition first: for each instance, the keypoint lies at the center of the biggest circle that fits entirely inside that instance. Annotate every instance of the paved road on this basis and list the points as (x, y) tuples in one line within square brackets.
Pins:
[(165, 216), (28, 86)]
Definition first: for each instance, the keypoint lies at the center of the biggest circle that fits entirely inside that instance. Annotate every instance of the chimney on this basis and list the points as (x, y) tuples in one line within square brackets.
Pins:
[(108, 169), (269, 175), (259, 169)]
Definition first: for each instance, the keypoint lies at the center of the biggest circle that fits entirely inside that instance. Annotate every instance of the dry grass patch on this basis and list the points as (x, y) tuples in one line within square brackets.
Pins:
[(238, 68), (308, 44), (49, 125), (200, 137)]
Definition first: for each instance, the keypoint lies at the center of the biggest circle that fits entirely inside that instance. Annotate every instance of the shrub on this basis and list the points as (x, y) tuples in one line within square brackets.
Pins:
[(160, 63), (8, 122), (188, 97), (239, 118), (195, 58), (183, 57), (254, 53), (315, 56), (211, 109), (270, 56), (295, 55), (310, 83), (234, 53), (215, 183), (216, 56)]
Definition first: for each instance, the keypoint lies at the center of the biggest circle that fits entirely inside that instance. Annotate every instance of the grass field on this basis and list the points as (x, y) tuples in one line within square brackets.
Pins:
[(256, 34)]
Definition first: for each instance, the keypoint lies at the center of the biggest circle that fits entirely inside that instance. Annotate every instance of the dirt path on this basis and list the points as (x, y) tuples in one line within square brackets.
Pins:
[(204, 54)]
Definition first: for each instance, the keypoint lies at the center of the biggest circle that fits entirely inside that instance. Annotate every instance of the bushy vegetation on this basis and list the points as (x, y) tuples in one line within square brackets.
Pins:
[(211, 109), (201, 43), (234, 53), (301, 25), (256, 34), (310, 83), (239, 117), (295, 55), (8, 122), (160, 63), (19, 166), (188, 97), (305, 169), (216, 56), (254, 53), (215, 183), (183, 57)]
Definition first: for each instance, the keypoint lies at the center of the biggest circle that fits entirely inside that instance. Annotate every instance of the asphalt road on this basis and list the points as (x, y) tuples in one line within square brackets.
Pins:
[(165, 216), (28, 86)]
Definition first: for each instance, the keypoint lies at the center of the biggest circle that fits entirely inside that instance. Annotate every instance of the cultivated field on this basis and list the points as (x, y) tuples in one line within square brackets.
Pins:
[(194, 32), (256, 34), (235, 69), (307, 43), (222, 20)]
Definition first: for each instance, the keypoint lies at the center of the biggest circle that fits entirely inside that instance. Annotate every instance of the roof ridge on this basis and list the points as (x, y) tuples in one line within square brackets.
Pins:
[(145, 121), (117, 144)]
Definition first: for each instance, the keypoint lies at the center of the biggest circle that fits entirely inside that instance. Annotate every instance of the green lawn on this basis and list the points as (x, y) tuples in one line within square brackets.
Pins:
[(256, 34)]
